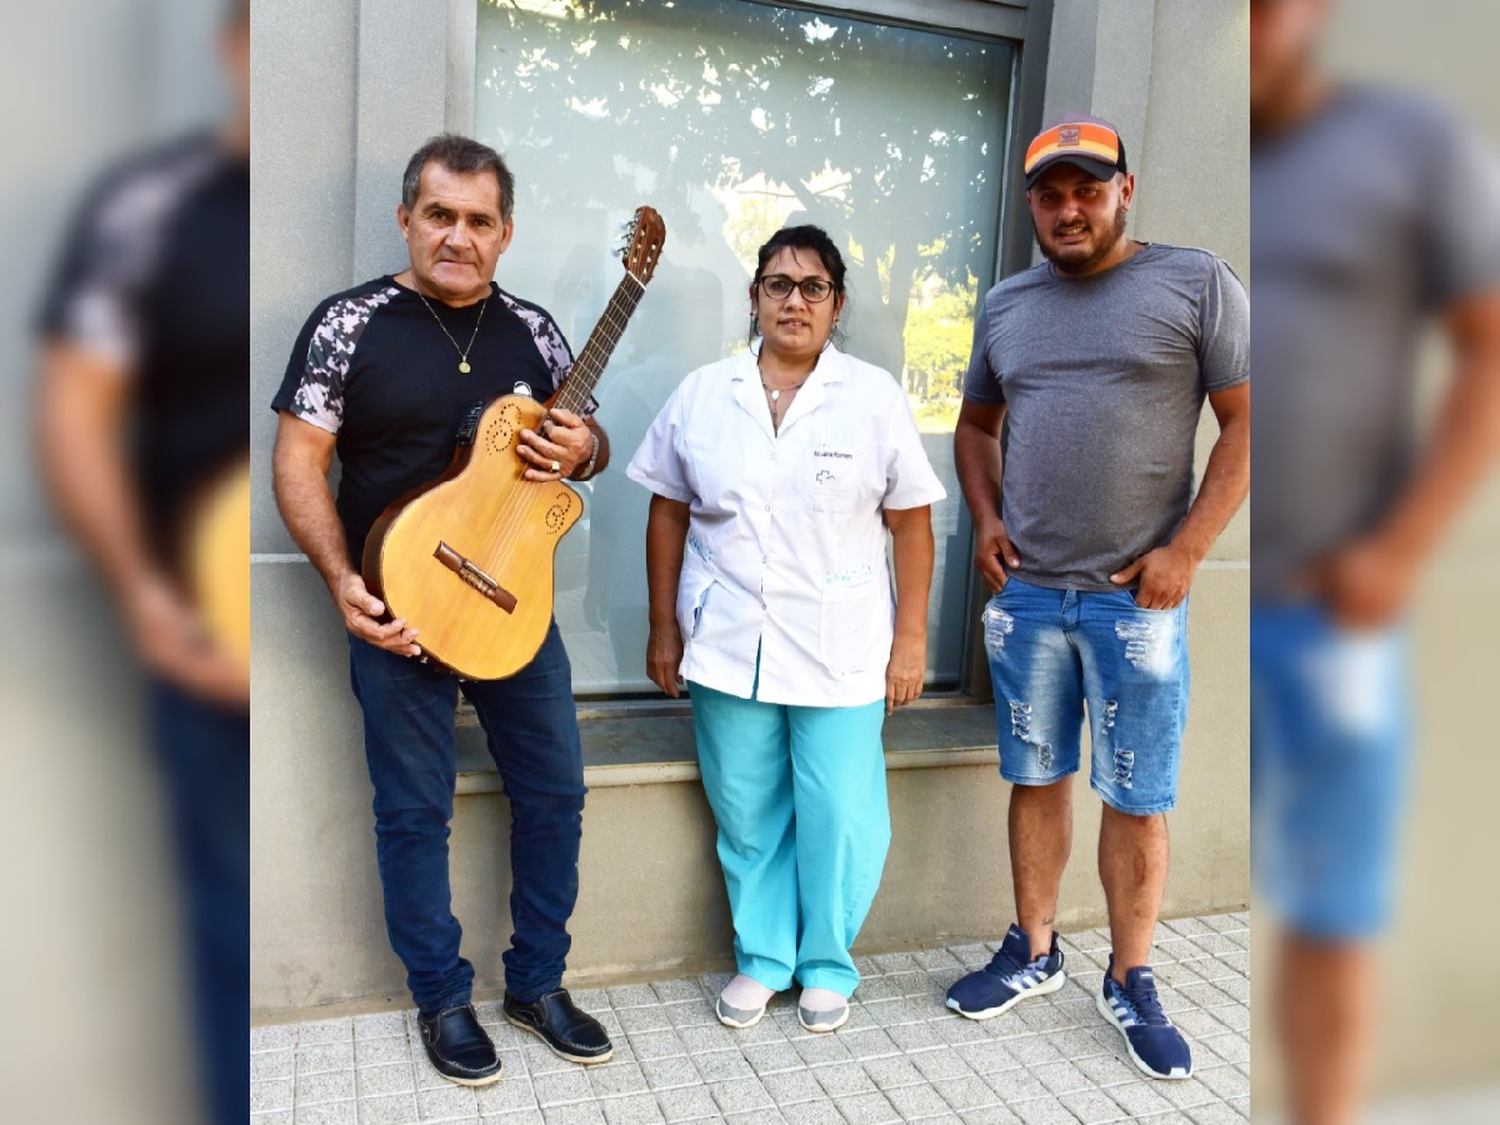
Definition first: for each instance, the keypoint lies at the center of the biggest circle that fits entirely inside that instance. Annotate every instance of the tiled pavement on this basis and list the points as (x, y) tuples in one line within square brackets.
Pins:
[(901, 1057)]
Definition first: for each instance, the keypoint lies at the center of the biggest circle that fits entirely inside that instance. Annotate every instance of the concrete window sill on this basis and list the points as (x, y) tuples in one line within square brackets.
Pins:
[(653, 744)]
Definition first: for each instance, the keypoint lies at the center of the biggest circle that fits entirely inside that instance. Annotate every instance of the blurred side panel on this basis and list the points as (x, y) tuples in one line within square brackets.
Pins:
[(100, 1030)]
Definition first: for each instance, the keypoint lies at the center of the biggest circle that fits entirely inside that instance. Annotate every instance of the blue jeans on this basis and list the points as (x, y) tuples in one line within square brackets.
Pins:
[(1052, 652), (532, 729), (799, 798), (1330, 745), (204, 752)]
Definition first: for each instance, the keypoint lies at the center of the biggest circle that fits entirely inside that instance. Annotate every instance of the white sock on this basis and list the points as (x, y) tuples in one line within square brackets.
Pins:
[(746, 993), (821, 1000)]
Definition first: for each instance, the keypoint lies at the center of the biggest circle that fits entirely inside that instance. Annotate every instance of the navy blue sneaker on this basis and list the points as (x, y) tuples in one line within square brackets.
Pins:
[(1010, 976), (1156, 1047)]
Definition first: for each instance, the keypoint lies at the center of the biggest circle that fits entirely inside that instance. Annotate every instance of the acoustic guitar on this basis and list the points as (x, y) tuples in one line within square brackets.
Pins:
[(467, 559)]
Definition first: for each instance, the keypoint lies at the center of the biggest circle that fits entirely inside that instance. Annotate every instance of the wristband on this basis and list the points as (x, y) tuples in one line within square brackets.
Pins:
[(588, 468)]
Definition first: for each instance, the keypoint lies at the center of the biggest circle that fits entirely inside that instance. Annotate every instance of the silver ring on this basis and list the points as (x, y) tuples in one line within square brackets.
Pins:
[(557, 467)]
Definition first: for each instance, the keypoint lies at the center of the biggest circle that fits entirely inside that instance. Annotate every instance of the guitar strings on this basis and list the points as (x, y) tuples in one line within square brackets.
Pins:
[(578, 384)]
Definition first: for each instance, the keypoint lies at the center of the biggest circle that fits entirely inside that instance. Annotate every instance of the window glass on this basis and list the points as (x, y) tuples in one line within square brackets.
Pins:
[(733, 119)]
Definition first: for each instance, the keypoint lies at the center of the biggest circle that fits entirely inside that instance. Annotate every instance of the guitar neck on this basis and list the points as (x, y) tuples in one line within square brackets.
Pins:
[(589, 366)]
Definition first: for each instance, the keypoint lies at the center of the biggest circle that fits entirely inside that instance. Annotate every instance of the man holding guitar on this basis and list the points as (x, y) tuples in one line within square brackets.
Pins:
[(384, 374)]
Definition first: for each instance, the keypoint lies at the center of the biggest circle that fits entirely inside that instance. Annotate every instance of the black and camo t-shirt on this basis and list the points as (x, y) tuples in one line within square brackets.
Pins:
[(374, 366), (155, 279)]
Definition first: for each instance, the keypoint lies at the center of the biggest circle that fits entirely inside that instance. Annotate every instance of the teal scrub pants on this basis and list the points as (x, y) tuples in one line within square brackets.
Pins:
[(804, 826)]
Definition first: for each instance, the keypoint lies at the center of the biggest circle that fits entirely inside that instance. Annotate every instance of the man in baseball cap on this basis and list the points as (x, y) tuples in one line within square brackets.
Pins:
[(1096, 362)]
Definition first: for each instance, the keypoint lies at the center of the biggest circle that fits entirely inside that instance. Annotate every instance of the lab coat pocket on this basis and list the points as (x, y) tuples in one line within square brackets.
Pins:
[(693, 592), (844, 631)]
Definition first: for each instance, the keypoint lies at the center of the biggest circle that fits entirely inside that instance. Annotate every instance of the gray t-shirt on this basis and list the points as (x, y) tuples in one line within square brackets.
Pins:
[(1366, 219), (1104, 379)]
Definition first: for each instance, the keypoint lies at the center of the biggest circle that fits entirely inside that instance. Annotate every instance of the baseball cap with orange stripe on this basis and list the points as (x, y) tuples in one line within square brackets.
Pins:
[(1090, 143)]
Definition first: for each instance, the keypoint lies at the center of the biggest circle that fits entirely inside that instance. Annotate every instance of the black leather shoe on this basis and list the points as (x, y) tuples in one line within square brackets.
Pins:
[(459, 1047), (572, 1034)]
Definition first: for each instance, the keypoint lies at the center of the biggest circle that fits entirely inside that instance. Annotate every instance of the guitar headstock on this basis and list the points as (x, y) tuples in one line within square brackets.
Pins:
[(646, 233)]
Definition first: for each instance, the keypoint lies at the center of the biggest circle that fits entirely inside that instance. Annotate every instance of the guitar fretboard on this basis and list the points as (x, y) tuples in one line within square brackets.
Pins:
[(589, 366)]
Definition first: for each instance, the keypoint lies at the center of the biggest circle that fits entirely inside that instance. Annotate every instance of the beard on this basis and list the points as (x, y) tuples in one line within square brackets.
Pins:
[(1082, 259)]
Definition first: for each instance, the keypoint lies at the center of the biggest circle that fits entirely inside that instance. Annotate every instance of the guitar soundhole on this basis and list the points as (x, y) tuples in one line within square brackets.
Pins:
[(557, 515)]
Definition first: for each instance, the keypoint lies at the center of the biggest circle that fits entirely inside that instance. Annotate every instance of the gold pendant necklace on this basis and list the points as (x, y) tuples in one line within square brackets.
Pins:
[(463, 353)]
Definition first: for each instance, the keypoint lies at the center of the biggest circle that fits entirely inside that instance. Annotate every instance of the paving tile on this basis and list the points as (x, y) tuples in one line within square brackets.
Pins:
[(989, 1115), (390, 1078), (722, 1066), (325, 1056), (616, 1079), (934, 959), (270, 1064), (271, 1093), (631, 996), (914, 1037), (1043, 1111), (585, 1114), (846, 1079), (1230, 1048), (714, 1037), (672, 991), (275, 1037), (988, 1057), (636, 1021), (670, 1074), (868, 1109), (1225, 1081), (513, 1093), (456, 1103), (273, 1117), (633, 1109), (379, 1024), (936, 1065), (740, 1095), (813, 1113), (893, 1073), (370, 1112), (690, 1103), (1216, 1113), (869, 1043), (1092, 1107), (1017, 1086), (965, 1093), (562, 1088), (917, 1102), (820, 1050), (328, 1086), (1060, 1077), (657, 1045), (755, 1117), (697, 1013), (1141, 1097), (325, 1031), (792, 1086)]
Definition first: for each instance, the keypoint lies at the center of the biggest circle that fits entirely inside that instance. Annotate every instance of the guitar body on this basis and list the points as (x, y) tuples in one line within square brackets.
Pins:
[(468, 559)]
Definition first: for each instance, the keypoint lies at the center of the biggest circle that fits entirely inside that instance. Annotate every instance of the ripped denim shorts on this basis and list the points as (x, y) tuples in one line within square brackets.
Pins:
[(1055, 653)]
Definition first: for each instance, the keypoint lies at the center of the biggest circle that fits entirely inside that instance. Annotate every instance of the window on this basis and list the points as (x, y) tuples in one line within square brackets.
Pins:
[(732, 118)]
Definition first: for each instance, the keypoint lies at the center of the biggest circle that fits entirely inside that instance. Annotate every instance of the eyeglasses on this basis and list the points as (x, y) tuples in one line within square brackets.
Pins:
[(779, 287)]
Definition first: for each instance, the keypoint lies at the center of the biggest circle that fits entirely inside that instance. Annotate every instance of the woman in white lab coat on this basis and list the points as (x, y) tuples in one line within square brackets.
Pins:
[(776, 475)]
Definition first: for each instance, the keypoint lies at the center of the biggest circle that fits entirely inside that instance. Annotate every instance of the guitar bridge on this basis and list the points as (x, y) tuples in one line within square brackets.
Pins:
[(475, 577)]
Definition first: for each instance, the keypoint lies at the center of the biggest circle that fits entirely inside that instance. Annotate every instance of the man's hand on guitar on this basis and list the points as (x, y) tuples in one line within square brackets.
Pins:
[(564, 443), (362, 611)]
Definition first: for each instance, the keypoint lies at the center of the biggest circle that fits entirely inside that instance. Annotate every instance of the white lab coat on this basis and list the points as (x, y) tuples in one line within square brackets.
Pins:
[(786, 549)]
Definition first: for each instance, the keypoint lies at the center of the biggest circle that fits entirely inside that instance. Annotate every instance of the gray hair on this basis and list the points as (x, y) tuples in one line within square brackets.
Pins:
[(463, 156)]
